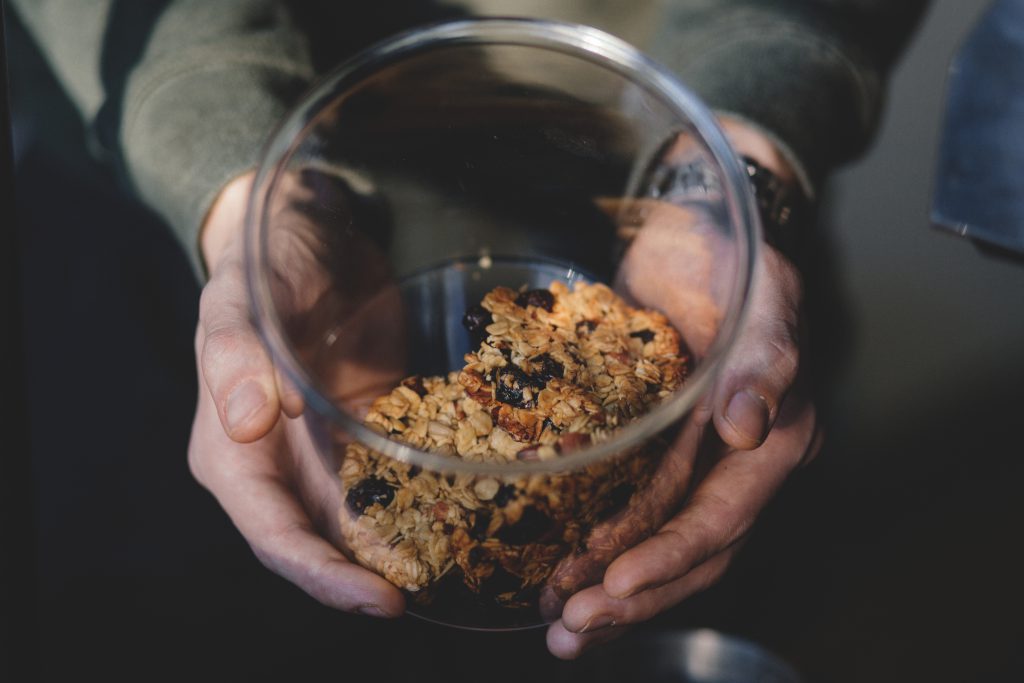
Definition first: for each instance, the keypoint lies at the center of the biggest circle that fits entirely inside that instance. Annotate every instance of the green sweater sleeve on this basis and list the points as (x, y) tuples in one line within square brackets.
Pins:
[(183, 93), (809, 73)]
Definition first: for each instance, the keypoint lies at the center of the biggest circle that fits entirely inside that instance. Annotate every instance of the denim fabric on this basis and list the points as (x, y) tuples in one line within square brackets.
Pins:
[(979, 189)]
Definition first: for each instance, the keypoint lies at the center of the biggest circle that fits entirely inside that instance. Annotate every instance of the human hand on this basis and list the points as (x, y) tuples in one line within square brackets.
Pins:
[(723, 477), (249, 446)]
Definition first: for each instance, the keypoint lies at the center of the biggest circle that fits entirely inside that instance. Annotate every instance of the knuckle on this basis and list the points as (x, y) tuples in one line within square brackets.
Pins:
[(785, 355), (714, 517), (224, 289), (221, 344), (784, 273)]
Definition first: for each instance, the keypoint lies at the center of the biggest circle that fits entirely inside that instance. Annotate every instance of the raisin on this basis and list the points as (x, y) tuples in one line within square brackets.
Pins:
[(643, 335), (549, 423), (510, 384), (476, 320), (367, 492), (585, 325), (448, 529), (481, 521), (530, 528), (549, 369), (414, 470), (476, 555), (541, 298), (653, 388), (416, 384), (504, 495)]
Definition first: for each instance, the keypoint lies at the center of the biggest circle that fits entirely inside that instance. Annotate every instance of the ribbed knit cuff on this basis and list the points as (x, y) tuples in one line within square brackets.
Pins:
[(193, 130)]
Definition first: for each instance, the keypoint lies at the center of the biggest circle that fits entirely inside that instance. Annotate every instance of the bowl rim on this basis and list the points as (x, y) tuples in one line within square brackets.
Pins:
[(580, 41)]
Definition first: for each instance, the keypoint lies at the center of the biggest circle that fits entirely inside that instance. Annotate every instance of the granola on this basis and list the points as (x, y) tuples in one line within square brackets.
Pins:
[(552, 371)]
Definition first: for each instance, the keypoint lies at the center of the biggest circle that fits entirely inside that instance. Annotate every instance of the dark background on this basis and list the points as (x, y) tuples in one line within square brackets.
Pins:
[(894, 557)]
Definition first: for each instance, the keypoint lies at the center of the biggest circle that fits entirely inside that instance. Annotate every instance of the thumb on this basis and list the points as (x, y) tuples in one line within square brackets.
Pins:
[(236, 369), (764, 363)]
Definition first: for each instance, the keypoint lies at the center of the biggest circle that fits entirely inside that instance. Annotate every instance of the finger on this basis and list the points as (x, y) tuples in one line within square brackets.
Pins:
[(292, 403), (720, 510), (270, 517), (764, 363), (302, 557), (565, 644), (646, 513), (592, 611), (236, 368)]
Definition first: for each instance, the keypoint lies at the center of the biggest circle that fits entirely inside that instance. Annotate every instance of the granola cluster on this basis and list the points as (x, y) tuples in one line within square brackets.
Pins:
[(552, 371)]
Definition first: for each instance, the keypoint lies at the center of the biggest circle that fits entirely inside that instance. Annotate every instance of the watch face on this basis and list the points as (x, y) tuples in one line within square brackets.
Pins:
[(692, 180)]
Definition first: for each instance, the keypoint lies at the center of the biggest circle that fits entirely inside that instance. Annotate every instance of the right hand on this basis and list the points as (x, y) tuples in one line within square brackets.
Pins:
[(249, 446)]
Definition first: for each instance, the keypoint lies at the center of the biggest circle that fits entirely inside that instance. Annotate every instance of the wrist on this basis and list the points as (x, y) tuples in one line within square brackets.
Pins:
[(751, 143), (681, 174)]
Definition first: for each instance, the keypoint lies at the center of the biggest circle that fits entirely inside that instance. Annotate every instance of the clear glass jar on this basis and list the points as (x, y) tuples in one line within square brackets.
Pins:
[(408, 184)]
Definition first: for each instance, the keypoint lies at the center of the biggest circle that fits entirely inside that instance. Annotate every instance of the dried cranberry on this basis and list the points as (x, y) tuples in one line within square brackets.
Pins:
[(643, 335), (530, 528), (572, 441), (367, 492), (541, 298), (476, 320)]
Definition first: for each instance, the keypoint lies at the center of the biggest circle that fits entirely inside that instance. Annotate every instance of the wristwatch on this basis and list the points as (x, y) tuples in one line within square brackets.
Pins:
[(781, 205)]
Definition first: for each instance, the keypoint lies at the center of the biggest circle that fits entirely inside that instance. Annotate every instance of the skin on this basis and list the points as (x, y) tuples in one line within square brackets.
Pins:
[(250, 449)]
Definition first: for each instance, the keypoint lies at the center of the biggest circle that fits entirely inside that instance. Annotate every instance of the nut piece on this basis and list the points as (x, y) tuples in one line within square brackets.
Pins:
[(486, 489)]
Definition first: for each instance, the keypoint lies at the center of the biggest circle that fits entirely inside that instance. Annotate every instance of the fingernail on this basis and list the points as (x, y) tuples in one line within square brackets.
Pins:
[(372, 611), (243, 402), (748, 414), (596, 623)]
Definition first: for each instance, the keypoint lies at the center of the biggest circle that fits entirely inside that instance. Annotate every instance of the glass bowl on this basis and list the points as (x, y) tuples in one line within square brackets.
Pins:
[(451, 162)]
